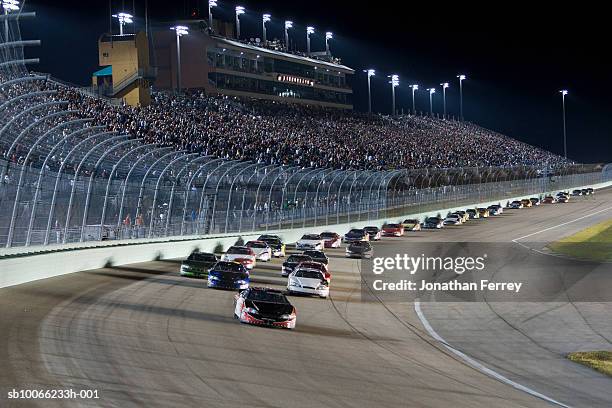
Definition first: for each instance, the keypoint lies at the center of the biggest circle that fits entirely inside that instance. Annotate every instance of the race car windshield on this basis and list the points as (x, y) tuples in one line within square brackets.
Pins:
[(298, 258), (431, 219), (393, 225), (228, 267), (202, 257), (315, 254), (410, 221), (328, 235), (313, 237), (257, 244), (305, 273), (265, 296), (355, 232), (239, 251), (371, 229)]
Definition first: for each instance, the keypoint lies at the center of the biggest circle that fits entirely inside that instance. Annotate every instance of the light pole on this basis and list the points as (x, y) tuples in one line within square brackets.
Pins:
[(328, 36), (461, 79), (370, 73), (8, 6), (179, 31), (444, 86), (431, 92), (211, 4), (309, 30), (239, 11), (266, 18), (414, 89), (563, 93), (288, 25), (394, 83), (124, 18)]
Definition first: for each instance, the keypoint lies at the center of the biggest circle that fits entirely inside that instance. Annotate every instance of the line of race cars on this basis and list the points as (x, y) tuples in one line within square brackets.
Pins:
[(308, 272)]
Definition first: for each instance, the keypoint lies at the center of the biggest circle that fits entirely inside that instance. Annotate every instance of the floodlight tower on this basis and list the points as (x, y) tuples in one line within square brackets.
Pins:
[(8, 6), (563, 93), (211, 4), (124, 18), (288, 25), (180, 31), (431, 92), (444, 86), (309, 30), (414, 89), (239, 11), (266, 18), (461, 79), (328, 36), (370, 73), (394, 83)]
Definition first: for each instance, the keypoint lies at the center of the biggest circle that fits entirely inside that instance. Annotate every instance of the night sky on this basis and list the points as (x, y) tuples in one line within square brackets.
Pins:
[(517, 57)]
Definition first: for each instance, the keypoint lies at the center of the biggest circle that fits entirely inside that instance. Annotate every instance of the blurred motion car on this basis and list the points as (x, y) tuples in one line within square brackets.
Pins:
[(374, 233), (484, 212), (549, 200), (463, 215), (197, 264), (292, 262), (516, 204), (261, 250), (311, 241), (472, 213), (318, 256), (265, 307), (228, 275), (526, 203), (331, 239), (577, 192), (452, 220), (534, 201), (308, 282), (411, 224), (241, 254), (563, 199), (356, 234), (393, 230), (359, 249), (433, 223), (498, 207), (275, 243)]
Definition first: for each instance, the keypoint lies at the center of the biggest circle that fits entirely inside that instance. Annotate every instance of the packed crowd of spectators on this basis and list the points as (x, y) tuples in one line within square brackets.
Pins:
[(305, 136)]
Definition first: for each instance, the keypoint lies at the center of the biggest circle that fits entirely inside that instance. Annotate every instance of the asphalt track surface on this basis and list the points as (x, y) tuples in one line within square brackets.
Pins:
[(143, 336)]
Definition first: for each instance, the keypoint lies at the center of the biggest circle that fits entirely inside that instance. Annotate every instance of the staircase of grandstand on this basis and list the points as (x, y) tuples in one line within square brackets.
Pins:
[(68, 177)]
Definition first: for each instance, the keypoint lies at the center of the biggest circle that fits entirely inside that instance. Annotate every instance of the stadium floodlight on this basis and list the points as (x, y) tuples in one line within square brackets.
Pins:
[(266, 18), (288, 25), (444, 85), (371, 73), (239, 11), (328, 36), (180, 31), (564, 92), (431, 92), (211, 4), (414, 89), (124, 18), (461, 79), (309, 30), (394, 83)]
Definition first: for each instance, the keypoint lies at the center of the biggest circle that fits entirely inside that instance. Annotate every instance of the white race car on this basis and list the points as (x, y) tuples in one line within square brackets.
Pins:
[(240, 254), (452, 220), (309, 282), (331, 239), (311, 241), (262, 251)]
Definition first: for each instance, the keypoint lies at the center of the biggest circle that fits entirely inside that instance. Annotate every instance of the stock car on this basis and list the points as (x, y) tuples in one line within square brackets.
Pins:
[(411, 225), (262, 251), (356, 234), (590, 190), (526, 202), (308, 282), (493, 210), (311, 241), (499, 208), (393, 230), (535, 200), (292, 262), (359, 249), (275, 243), (331, 239), (516, 204), (317, 266), (549, 200), (563, 199), (463, 214), (472, 213), (318, 256), (228, 275), (241, 254), (577, 192), (374, 233), (452, 219), (197, 264), (265, 307), (433, 223), (484, 212)]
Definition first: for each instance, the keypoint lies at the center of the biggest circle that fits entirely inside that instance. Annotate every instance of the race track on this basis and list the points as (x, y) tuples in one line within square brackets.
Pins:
[(143, 336)]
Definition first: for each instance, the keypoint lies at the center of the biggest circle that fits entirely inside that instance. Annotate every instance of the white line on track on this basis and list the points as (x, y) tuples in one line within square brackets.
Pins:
[(477, 365)]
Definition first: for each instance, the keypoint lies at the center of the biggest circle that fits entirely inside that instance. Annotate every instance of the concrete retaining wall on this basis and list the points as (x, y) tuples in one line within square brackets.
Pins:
[(33, 264)]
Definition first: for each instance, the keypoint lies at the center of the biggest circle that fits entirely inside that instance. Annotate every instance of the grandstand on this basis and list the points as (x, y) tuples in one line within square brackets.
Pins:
[(78, 168)]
